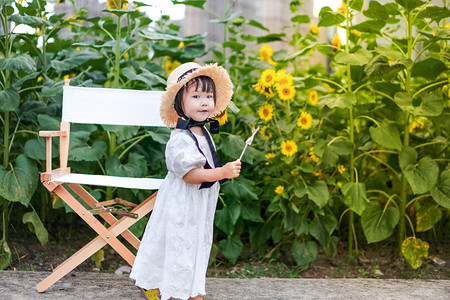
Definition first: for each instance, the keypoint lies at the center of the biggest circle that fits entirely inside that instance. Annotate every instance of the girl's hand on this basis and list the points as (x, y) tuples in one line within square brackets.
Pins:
[(232, 169)]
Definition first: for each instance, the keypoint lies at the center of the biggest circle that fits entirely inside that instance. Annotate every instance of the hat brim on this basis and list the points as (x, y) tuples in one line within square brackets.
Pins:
[(223, 85)]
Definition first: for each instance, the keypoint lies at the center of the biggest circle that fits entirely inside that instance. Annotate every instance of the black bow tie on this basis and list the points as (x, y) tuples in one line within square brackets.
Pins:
[(186, 124)]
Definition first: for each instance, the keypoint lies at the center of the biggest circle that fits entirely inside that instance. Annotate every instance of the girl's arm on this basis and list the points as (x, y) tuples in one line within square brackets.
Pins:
[(199, 175)]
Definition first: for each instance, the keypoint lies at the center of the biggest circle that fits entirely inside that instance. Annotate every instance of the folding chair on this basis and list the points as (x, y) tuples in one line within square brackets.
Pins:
[(99, 106)]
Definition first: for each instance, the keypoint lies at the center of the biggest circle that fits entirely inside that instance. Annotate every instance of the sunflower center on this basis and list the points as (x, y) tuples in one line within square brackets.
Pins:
[(266, 112), (269, 78), (303, 120), (288, 148), (286, 91)]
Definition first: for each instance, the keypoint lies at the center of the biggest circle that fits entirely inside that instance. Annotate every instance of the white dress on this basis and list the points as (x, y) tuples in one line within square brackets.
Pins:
[(174, 251)]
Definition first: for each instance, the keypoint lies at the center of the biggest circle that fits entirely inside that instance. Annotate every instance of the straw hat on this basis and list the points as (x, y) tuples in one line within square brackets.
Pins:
[(185, 72)]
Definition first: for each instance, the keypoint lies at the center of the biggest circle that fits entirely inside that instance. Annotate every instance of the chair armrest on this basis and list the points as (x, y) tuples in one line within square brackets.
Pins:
[(52, 133), (48, 156)]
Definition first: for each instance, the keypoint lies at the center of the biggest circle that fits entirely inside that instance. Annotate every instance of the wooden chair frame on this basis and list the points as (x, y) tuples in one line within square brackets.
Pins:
[(54, 181)]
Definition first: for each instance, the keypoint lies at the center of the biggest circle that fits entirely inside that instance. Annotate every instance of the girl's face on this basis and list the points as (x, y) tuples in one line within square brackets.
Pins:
[(197, 105)]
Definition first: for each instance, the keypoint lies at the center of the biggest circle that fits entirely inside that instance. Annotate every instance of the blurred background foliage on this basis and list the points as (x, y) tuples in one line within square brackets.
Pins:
[(351, 152)]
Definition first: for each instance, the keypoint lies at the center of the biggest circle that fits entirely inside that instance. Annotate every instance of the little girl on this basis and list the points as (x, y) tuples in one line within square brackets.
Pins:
[(174, 252)]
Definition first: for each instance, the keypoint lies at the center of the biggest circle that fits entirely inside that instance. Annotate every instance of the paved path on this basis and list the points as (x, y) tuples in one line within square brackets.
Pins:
[(20, 285)]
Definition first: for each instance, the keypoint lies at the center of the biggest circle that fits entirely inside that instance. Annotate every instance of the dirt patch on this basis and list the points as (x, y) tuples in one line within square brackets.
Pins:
[(29, 255)]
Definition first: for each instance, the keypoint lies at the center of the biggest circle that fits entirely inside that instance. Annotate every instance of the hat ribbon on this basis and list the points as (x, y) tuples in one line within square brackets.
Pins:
[(186, 124), (185, 73)]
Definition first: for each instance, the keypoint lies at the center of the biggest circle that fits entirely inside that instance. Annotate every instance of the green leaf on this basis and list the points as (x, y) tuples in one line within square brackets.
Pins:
[(136, 167), (386, 135), (238, 47), (73, 60), (409, 5), (304, 253), (429, 68), (378, 224), (380, 68), (147, 77), (226, 218), (329, 157), (257, 25), (23, 62), (358, 58), (6, 2), (36, 149), (301, 19), (376, 11), (300, 52), (413, 250), (241, 188), (29, 20), (37, 226), (355, 196), (342, 147), (371, 26), (277, 234), (390, 53), (272, 37), (88, 153), (318, 193), (322, 228), (435, 13), (427, 214), (5, 255), (195, 3), (123, 132), (302, 227), (231, 248), (138, 228), (441, 192), (9, 99), (327, 17), (19, 183), (421, 175), (98, 257), (356, 4), (250, 211), (291, 219), (342, 101), (432, 104)]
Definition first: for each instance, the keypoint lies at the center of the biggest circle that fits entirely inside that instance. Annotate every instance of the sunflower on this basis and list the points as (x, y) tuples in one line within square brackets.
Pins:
[(294, 172), (257, 87), (288, 148), (279, 189), (313, 97), (222, 118), (312, 155), (356, 32), (305, 120), (286, 92), (114, 4), (171, 65), (314, 29), (284, 79), (270, 156), (336, 42), (343, 9), (329, 88), (265, 112), (341, 169), (417, 124), (264, 135), (268, 78), (265, 54)]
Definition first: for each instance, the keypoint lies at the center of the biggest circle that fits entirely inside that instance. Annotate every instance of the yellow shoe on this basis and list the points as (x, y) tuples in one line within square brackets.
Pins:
[(152, 295)]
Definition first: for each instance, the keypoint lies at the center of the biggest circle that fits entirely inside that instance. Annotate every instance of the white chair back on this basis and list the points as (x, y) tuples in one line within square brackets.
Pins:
[(111, 106)]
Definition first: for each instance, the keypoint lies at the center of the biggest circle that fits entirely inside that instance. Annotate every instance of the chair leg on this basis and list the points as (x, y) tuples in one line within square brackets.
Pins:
[(96, 244), (111, 219)]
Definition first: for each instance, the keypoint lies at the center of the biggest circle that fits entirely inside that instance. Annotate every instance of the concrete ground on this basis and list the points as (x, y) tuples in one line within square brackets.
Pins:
[(20, 285)]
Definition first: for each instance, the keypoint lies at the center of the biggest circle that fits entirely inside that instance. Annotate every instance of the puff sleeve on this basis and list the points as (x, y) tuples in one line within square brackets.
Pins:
[(182, 154)]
